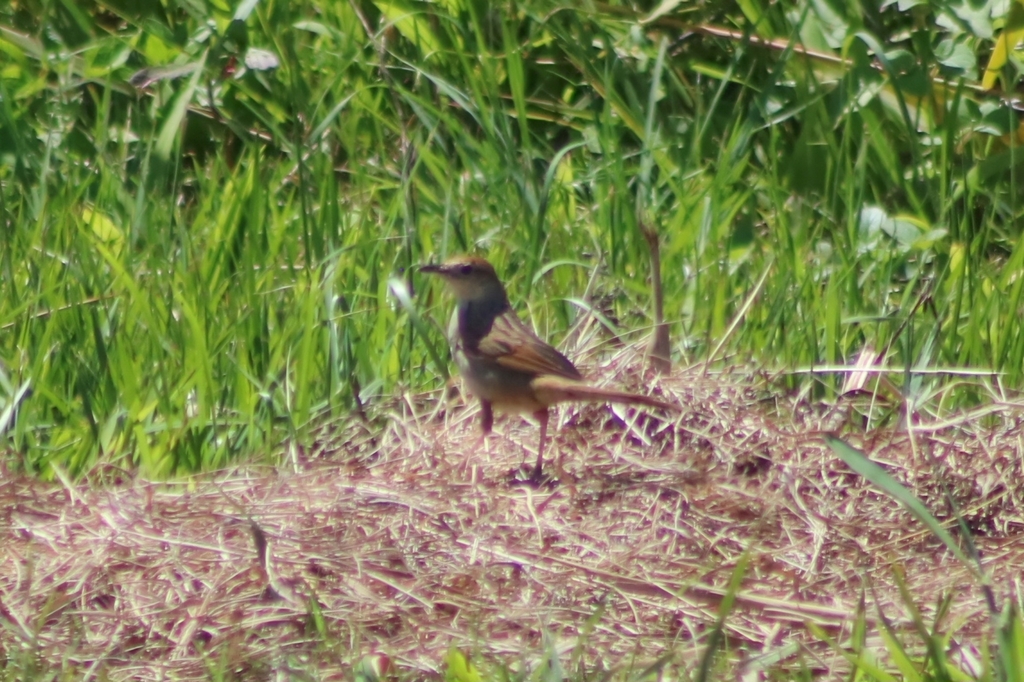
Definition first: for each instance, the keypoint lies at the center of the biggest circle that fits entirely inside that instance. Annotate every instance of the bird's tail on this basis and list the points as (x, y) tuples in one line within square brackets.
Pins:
[(552, 389)]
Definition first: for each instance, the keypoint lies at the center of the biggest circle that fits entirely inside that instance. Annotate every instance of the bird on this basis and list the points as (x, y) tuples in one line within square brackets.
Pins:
[(503, 362)]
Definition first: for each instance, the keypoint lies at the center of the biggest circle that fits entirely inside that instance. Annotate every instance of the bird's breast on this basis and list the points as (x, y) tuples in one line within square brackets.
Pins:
[(506, 389)]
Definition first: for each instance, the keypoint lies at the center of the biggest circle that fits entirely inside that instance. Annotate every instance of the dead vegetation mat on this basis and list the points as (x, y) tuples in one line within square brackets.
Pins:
[(403, 536)]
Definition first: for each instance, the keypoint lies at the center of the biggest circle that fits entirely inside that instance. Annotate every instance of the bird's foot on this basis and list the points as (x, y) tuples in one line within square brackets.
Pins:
[(533, 477)]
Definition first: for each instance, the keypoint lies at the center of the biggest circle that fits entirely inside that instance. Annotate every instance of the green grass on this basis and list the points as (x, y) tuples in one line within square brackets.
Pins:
[(195, 272), (186, 284)]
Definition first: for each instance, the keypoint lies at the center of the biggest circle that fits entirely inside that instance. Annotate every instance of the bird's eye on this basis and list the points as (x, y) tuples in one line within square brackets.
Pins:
[(465, 269)]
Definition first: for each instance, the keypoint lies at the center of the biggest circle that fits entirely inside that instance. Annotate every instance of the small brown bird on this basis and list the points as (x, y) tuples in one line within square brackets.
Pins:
[(503, 362)]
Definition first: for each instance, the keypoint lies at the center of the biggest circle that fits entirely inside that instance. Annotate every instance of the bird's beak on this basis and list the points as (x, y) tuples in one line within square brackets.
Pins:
[(436, 269)]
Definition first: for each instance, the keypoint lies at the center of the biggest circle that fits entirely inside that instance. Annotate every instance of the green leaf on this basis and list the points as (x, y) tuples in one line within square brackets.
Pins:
[(172, 124), (413, 23), (1005, 45), (458, 668), (244, 9)]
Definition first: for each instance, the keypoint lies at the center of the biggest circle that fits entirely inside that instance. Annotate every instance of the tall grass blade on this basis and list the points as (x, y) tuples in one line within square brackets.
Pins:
[(859, 462)]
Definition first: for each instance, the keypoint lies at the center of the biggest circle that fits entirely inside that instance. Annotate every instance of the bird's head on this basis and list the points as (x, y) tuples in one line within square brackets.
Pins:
[(469, 278)]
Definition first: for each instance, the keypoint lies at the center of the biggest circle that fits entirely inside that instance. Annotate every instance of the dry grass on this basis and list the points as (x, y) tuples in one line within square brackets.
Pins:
[(411, 540)]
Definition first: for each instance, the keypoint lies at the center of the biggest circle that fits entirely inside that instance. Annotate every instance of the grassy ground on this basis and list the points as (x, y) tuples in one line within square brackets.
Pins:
[(722, 543), (209, 214)]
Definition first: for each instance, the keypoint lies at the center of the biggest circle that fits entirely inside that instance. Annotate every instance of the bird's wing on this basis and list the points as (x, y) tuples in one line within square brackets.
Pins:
[(512, 345)]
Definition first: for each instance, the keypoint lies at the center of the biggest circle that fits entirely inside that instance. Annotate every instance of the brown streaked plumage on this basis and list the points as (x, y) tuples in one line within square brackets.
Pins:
[(503, 362)]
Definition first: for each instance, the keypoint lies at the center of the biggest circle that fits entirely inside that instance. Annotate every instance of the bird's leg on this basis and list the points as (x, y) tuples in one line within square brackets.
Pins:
[(486, 424), (486, 418), (542, 416)]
